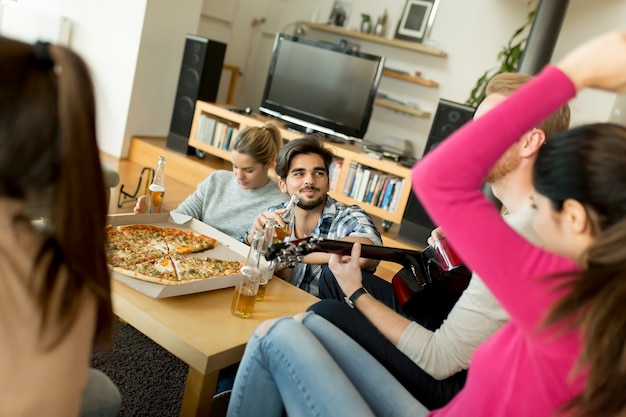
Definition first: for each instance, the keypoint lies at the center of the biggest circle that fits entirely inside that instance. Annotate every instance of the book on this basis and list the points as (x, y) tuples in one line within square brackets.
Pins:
[(333, 175), (363, 185), (347, 186), (218, 135), (357, 181), (370, 189), (206, 129), (383, 189), (395, 198), (388, 192)]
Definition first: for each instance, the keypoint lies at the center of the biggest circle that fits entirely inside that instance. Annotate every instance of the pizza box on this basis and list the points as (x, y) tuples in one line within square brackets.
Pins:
[(227, 248)]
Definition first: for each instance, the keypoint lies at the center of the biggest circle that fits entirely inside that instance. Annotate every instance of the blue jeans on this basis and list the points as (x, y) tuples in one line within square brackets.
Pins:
[(100, 398), (314, 369)]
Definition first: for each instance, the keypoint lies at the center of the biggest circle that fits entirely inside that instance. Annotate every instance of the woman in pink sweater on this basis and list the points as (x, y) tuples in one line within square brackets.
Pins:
[(563, 349)]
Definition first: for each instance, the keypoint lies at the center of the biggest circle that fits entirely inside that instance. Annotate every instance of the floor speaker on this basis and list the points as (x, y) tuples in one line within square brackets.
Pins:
[(416, 225), (199, 79)]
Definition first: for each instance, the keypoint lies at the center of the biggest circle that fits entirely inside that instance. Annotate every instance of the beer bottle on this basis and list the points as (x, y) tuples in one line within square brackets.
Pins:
[(250, 277), (283, 233), (267, 267), (156, 190)]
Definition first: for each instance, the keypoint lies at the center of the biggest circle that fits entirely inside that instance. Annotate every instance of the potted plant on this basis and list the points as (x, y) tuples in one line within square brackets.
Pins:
[(366, 23), (508, 59)]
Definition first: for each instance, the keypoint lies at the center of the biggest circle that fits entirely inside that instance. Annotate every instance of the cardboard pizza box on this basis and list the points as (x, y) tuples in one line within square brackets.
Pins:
[(227, 248)]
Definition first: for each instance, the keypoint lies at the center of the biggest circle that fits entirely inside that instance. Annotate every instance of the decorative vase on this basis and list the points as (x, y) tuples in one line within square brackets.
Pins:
[(366, 26), (379, 29)]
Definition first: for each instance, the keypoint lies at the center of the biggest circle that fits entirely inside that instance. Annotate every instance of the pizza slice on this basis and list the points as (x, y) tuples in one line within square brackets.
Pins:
[(183, 241), (191, 268), (160, 270), (146, 236)]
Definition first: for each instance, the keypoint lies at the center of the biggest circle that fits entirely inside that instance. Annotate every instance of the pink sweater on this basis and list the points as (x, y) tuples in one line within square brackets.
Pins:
[(519, 371)]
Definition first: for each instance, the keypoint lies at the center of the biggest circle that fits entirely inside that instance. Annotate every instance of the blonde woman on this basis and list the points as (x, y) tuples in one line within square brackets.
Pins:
[(228, 202)]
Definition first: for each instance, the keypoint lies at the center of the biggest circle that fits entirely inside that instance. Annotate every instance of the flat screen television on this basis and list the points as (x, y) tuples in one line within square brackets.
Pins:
[(321, 87)]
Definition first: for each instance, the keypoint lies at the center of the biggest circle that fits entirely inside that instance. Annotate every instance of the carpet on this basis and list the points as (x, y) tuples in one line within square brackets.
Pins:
[(150, 379)]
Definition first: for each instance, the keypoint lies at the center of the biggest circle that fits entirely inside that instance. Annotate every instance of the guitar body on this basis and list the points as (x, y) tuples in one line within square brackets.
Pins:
[(437, 267)]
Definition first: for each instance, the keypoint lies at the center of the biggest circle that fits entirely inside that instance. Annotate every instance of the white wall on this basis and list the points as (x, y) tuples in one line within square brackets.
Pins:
[(471, 31), (134, 50)]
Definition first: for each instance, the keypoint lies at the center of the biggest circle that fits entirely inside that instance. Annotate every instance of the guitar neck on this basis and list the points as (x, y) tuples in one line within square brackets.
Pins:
[(403, 257)]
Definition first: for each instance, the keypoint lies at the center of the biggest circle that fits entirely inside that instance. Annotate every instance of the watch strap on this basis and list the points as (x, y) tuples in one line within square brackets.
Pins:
[(355, 295)]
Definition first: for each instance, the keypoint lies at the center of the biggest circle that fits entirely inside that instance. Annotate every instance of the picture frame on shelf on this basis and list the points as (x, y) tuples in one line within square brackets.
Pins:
[(340, 13), (416, 20)]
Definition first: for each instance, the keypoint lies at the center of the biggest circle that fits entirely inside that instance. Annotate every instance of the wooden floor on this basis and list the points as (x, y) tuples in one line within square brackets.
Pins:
[(182, 174)]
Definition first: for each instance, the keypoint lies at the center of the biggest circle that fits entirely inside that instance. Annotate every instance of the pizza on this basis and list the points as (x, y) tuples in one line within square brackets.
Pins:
[(162, 254)]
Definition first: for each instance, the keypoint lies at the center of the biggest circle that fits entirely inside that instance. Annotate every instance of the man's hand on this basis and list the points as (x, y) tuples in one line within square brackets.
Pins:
[(347, 270), (435, 235), (140, 207), (259, 222)]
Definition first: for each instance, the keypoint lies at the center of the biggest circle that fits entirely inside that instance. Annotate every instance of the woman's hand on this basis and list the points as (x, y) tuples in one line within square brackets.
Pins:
[(347, 270), (140, 207), (598, 63)]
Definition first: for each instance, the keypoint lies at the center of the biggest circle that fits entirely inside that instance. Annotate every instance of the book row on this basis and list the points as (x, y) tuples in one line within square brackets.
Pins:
[(215, 132), (373, 187)]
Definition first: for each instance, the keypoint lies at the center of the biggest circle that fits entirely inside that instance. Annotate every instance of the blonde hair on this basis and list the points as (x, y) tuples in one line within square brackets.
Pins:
[(260, 142), (508, 82)]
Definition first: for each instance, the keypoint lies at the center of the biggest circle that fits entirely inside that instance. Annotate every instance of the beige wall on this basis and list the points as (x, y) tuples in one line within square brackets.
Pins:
[(134, 50)]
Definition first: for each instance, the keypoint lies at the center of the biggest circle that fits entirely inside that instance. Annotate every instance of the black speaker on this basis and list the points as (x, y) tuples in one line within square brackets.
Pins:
[(199, 79), (416, 225)]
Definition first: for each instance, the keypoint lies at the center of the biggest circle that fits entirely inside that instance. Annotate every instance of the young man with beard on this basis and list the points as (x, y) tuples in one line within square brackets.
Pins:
[(431, 363), (302, 166)]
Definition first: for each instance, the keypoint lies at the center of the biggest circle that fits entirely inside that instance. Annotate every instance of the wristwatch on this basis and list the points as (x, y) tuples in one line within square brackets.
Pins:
[(355, 295)]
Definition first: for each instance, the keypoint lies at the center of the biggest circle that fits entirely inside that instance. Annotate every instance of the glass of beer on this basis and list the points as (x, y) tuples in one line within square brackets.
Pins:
[(155, 198), (267, 271), (246, 292)]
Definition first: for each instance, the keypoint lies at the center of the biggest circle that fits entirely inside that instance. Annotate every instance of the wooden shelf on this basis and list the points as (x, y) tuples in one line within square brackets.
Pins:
[(347, 152), (401, 108), (411, 46), (410, 78)]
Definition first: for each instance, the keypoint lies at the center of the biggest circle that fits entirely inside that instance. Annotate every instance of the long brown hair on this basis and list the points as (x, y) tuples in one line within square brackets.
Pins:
[(588, 164), (48, 142)]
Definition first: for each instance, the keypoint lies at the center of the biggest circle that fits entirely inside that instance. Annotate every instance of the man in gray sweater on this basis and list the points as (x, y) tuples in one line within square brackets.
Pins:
[(431, 362)]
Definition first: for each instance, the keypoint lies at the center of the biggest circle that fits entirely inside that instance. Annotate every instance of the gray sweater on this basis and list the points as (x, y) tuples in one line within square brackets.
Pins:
[(476, 316), (220, 202)]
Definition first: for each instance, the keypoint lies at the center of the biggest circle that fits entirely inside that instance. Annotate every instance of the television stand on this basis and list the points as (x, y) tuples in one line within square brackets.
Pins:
[(335, 139), (393, 179), (296, 128)]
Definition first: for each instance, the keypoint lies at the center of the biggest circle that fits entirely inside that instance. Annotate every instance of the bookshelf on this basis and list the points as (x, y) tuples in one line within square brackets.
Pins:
[(382, 187)]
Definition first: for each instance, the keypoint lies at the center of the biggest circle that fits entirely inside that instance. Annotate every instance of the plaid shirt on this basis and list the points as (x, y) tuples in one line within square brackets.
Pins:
[(336, 221)]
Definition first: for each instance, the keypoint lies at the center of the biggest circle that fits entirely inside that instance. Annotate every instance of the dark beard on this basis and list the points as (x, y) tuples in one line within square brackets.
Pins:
[(310, 205)]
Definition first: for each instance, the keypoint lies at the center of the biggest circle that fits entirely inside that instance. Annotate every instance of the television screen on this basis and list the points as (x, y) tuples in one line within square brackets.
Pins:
[(321, 86)]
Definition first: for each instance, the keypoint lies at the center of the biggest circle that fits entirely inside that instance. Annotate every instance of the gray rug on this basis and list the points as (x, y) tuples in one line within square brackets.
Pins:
[(150, 379)]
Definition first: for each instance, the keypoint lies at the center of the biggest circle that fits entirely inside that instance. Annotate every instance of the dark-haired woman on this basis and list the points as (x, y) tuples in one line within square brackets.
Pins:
[(563, 352), (55, 298)]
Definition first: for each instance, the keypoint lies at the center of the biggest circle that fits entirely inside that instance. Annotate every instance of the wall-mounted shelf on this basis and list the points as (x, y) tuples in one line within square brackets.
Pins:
[(410, 78), (401, 108), (411, 46)]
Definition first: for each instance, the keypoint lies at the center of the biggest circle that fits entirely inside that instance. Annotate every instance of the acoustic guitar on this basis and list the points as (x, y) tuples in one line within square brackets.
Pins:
[(437, 264)]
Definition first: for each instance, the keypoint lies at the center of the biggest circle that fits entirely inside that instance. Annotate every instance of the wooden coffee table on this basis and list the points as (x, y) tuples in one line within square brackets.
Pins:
[(200, 330)]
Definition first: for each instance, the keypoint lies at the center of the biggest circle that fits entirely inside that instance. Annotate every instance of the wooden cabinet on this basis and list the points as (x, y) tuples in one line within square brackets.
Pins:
[(210, 119), (393, 43)]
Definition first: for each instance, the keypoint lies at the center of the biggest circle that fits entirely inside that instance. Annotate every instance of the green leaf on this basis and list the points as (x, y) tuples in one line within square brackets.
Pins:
[(508, 58)]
